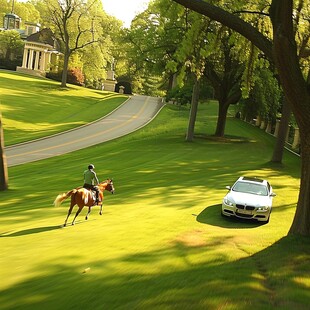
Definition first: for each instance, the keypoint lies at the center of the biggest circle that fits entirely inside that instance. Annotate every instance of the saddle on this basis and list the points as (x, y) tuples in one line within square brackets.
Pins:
[(93, 194)]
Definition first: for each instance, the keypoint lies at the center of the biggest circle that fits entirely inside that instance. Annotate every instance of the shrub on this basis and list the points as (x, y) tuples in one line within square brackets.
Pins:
[(56, 76), (181, 95), (10, 64), (75, 76)]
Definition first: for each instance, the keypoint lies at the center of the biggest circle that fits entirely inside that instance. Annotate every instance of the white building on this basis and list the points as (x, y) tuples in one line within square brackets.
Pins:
[(40, 53), (41, 48)]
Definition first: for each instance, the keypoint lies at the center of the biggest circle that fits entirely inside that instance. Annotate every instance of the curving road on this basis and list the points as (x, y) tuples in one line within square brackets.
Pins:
[(130, 116)]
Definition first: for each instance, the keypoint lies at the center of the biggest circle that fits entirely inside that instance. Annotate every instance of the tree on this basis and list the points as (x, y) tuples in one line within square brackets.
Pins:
[(264, 96), (224, 72), (26, 11), (5, 7), (99, 57), (11, 45), (75, 22), (151, 43), (204, 48), (295, 79), (193, 111), (283, 129), (3, 165), (95, 58)]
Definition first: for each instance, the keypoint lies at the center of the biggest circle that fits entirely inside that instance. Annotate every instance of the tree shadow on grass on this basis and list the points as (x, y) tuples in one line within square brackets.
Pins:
[(225, 139), (212, 216), (269, 276)]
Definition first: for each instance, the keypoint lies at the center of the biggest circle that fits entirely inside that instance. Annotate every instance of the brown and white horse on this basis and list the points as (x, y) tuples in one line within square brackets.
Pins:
[(84, 197)]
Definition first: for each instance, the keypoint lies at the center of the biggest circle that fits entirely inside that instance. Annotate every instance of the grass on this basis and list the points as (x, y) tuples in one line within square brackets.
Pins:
[(161, 242), (33, 107)]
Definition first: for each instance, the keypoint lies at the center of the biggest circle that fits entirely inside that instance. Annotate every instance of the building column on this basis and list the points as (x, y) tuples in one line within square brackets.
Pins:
[(48, 61), (36, 60), (42, 62), (25, 58), (30, 60)]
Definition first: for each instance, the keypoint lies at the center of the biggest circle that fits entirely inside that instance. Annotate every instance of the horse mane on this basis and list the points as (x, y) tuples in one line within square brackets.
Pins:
[(103, 185)]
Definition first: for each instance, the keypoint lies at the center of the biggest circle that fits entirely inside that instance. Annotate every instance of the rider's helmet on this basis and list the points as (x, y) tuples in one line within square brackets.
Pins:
[(91, 166)]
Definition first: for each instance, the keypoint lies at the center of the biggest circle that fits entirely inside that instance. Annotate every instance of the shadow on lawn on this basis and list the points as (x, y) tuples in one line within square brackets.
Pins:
[(30, 231), (38, 230), (225, 139), (272, 278), (212, 216)]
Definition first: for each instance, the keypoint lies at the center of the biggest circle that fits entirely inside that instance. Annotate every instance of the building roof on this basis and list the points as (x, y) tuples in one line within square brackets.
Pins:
[(45, 36), (12, 15)]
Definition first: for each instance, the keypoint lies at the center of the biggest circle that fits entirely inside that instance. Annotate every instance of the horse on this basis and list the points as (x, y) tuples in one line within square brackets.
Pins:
[(83, 197)]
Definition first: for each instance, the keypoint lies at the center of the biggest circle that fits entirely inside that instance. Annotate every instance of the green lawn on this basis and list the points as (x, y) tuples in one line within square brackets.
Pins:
[(161, 242), (34, 107)]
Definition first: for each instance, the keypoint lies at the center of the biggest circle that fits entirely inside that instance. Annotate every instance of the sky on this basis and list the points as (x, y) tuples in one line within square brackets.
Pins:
[(124, 10)]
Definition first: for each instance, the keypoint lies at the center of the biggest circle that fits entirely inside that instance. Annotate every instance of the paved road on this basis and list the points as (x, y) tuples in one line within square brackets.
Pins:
[(132, 115)]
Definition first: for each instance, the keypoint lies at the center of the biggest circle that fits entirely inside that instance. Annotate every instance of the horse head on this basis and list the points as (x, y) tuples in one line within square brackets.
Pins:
[(109, 186)]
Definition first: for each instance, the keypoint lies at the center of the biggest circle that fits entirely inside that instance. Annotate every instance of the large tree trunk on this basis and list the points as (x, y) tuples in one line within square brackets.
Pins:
[(283, 128), (233, 98), (221, 119), (65, 69), (193, 112), (172, 83), (3, 165), (297, 94), (301, 222)]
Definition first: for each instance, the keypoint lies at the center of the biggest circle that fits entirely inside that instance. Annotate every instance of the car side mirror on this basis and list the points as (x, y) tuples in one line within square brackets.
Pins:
[(273, 194), (228, 187)]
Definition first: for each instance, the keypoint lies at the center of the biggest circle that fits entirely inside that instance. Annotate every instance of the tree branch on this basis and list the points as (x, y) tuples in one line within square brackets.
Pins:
[(251, 12), (231, 21)]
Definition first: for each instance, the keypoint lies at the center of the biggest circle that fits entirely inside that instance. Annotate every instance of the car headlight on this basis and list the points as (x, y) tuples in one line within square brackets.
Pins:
[(228, 202), (264, 208)]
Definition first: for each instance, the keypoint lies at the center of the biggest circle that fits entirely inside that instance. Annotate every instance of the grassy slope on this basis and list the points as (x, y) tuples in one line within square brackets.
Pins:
[(34, 107), (161, 242)]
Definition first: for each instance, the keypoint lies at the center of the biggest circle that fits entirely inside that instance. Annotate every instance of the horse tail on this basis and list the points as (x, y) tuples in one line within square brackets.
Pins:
[(61, 197)]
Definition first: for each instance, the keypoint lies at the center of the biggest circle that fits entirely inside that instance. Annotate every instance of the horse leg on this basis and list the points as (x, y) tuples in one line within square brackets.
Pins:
[(69, 212), (100, 212), (77, 213), (89, 209)]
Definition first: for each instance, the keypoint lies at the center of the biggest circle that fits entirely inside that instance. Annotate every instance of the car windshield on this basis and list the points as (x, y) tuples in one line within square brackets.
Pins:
[(250, 188)]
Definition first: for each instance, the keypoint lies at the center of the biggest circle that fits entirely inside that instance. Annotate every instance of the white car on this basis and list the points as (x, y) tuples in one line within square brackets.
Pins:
[(249, 198)]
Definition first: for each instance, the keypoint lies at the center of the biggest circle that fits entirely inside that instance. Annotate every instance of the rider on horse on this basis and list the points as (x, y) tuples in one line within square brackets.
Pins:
[(91, 180)]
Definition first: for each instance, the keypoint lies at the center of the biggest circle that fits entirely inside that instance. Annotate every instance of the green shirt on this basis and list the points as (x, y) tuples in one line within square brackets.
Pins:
[(90, 177)]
